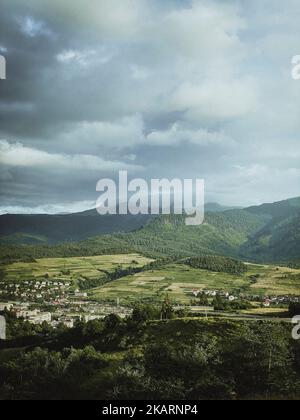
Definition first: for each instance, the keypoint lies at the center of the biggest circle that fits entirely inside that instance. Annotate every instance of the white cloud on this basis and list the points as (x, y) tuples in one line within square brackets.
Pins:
[(205, 29), (32, 27), (129, 132), (131, 73), (70, 56), (178, 134), (85, 57), (17, 155), (111, 18), (59, 208), (216, 99), (122, 133)]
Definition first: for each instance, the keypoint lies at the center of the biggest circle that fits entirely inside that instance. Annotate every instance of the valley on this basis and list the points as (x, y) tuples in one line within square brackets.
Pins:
[(179, 282), (88, 288)]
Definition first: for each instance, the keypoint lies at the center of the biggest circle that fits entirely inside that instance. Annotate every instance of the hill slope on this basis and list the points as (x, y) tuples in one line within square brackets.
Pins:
[(51, 229), (279, 240), (267, 233)]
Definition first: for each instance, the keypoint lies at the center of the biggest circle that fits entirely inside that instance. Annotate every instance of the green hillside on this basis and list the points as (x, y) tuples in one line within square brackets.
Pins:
[(35, 229), (222, 233), (267, 233), (278, 241), (53, 229)]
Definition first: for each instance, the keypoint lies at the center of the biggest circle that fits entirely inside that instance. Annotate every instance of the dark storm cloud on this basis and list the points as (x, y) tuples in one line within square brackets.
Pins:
[(161, 88)]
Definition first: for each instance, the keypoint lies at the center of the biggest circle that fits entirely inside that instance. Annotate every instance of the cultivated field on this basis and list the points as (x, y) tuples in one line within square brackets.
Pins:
[(179, 281), (71, 268), (176, 280)]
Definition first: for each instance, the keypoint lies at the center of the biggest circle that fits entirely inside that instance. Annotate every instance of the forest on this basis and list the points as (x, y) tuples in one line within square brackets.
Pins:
[(144, 358)]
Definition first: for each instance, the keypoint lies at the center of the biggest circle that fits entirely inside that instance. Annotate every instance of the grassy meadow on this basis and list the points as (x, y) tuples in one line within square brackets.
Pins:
[(179, 281)]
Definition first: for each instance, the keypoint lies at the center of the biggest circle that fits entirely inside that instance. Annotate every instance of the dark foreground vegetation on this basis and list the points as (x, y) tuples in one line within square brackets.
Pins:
[(145, 358)]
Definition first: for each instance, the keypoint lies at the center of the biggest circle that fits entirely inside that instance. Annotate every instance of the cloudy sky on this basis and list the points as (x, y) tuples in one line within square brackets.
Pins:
[(161, 88)]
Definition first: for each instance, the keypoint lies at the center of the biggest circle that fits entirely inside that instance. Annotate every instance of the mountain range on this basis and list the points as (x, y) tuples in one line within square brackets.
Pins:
[(51, 229), (265, 233)]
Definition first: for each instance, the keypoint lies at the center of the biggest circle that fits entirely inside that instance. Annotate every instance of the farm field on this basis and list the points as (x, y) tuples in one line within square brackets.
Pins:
[(179, 281), (275, 280), (70, 268), (176, 280)]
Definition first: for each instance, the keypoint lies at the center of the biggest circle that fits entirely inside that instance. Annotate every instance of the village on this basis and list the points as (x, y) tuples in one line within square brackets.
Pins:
[(58, 302), (54, 302), (265, 301)]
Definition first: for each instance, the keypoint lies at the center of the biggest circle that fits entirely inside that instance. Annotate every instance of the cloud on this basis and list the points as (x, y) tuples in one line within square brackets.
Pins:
[(85, 57), (111, 18), (126, 132), (178, 134), (32, 27), (59, 208), (182, 88), (72, 56), (204, 29), (215, 99), (17, 155)]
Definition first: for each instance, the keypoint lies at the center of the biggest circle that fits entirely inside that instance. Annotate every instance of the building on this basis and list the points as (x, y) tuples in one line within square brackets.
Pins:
[(40, 318), (80, 295), (88, 318), (21, 313), (68, 322)]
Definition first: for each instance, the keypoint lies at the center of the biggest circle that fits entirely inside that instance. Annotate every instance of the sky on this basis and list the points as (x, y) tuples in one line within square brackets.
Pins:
[(160, 88)]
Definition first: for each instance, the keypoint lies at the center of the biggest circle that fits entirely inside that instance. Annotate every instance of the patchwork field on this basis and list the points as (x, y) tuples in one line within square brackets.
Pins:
[(71, 268), (179, 281), (176, 280), (275, 280)]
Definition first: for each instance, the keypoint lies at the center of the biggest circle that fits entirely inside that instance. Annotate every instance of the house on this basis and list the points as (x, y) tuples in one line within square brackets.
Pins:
[(88, 318), (26, 313), (67, 322), (80, 295), (40, 318)]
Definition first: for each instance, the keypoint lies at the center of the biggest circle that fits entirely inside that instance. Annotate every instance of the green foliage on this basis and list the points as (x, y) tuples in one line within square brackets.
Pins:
[(221, 304), (165, 236), (42, 374), (218, 264), (278, 241), (167, 311), (143, 313), (178, 359), (267, 233)]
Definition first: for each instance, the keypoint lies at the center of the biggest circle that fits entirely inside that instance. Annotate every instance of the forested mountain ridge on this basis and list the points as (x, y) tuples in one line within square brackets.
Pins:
[(31, 229), (53, 229), (279, 240), (267, 233)]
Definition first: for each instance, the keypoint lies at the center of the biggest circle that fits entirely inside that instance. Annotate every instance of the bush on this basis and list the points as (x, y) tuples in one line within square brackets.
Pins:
[(294, 309)]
